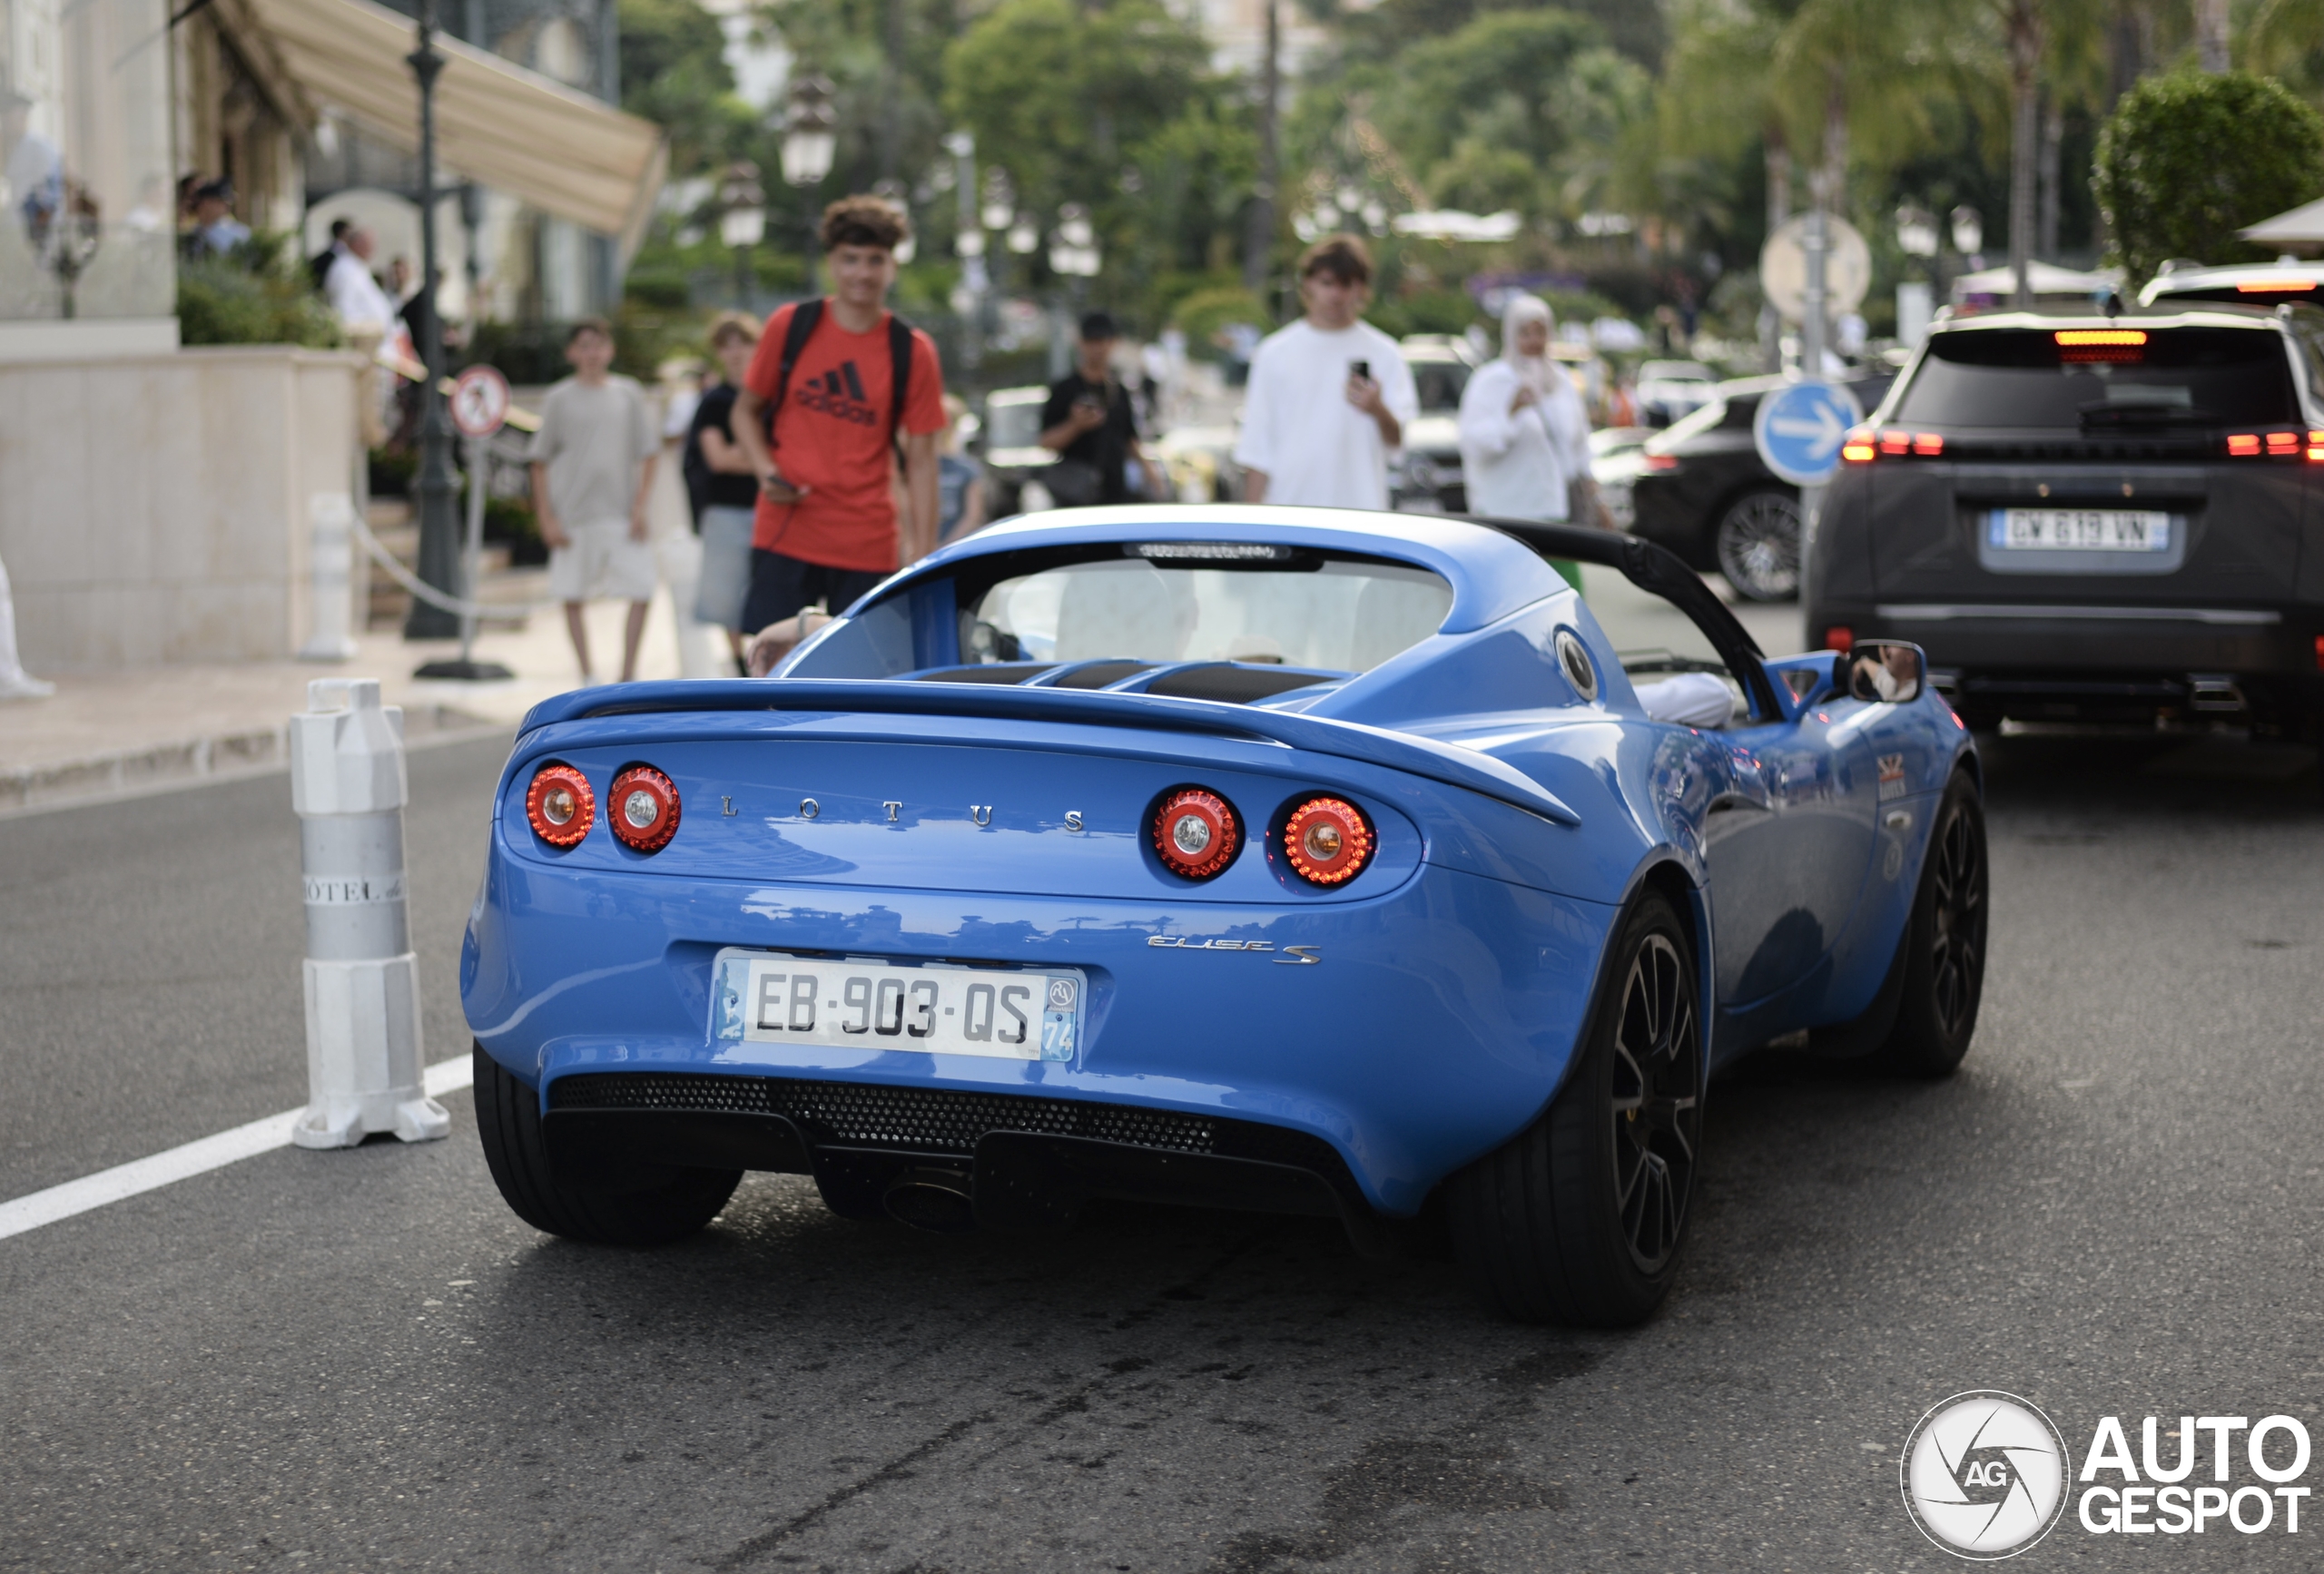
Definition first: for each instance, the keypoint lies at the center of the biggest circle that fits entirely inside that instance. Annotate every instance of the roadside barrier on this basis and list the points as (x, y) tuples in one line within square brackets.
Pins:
[(348, 787)]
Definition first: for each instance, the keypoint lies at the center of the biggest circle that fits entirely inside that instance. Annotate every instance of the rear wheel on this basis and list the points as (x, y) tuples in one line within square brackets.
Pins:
[(1945, 956), (1579, 1218), (1757, 545), (654, 1204)]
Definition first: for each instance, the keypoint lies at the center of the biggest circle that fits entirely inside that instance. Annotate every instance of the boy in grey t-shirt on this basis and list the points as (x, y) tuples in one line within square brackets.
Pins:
[(593, 470)]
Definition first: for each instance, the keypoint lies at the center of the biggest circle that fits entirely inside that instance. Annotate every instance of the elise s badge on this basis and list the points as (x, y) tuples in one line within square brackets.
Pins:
[(1291, 955)]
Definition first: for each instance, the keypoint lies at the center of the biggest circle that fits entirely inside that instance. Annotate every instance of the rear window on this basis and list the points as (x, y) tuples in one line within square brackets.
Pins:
[(2177, 377), (1439, 384)]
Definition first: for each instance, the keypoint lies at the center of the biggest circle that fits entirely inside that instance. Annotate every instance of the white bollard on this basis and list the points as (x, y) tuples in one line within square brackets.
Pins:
[(330, 572), (363, 1052)]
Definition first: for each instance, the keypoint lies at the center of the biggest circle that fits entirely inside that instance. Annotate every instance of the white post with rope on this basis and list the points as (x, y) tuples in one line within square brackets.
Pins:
[(349, 788), (330, 562)]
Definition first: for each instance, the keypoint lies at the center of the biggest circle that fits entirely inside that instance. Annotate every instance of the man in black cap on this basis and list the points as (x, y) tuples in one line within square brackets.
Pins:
[(216, 230), (1088, 425)]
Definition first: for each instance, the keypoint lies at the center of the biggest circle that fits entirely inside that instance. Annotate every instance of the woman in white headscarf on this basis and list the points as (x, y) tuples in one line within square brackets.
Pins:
[(1524, 435)]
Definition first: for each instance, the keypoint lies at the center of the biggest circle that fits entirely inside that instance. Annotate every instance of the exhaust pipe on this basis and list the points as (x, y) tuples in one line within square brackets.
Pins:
[(941, 1201), (2215, 692)]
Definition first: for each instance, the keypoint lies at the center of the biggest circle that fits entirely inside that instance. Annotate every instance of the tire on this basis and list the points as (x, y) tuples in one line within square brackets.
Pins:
[(669, 1205), (1579, 1218), (1756, 543), (1945, 956)]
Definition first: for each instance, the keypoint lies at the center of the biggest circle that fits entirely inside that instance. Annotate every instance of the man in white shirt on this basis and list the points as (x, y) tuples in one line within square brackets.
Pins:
[(354, 295), (1329, 395)]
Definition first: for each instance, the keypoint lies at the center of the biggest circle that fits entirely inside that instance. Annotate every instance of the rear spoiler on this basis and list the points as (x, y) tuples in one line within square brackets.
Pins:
[(1663, 573), (1423, 757)]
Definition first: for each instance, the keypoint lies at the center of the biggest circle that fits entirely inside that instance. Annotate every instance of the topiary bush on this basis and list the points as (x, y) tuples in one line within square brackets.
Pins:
[(2187, 159)]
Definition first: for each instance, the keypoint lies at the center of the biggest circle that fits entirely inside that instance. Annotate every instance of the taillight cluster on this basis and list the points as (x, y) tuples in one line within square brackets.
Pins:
[(2276, 445), (1326, 840), (641, 807), (1864, 444)]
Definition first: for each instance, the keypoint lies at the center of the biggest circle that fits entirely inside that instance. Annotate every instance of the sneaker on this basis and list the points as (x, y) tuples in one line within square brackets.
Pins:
[(24, 686)]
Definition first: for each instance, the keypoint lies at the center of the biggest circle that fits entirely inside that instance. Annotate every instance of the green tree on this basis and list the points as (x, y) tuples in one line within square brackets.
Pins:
[(674, 72), (2187, 159), (1113, 108)]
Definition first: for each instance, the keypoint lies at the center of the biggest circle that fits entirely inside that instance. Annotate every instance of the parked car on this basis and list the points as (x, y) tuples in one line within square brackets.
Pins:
[(1670, 390), (1701, 490), (2098, 518), (1426, 476), (1013, 456), (2264, 284), (1420, 914), (1616, 454)]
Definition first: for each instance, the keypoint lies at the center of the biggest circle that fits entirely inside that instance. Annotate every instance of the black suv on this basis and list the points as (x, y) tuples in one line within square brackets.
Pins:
[(2094, 517)]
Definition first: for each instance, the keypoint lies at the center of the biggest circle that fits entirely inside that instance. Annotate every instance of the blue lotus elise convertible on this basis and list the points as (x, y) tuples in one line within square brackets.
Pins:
[(1290, 860)]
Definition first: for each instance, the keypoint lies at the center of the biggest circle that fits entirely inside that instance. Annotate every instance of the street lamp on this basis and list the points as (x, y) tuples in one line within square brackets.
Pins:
[(1968, 231), (810, 142), (437, 483), (1915, 232), (743, 223), (1073, 250)]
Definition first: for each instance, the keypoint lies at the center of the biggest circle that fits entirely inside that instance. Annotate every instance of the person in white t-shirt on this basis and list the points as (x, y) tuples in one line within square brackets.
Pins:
[(1329, 395)]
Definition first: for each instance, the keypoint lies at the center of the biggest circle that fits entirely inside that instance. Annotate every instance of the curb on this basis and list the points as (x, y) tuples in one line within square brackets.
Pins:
[(137, 771)]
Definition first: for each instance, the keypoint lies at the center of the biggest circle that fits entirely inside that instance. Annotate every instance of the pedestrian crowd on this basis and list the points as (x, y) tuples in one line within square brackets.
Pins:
[(824, 451)]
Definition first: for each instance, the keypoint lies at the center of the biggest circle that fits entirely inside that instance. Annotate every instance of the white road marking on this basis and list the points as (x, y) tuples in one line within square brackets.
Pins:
[(145, 1174)]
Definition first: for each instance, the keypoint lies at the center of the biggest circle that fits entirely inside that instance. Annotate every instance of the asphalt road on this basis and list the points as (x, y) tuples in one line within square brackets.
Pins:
[(362, 1359)]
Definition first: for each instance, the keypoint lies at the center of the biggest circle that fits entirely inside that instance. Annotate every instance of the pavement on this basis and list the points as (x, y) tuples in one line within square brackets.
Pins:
[(362, 1359)]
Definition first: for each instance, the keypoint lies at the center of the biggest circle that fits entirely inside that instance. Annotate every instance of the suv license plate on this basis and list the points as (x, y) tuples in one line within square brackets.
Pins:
[(767, 998), (2081, 529)]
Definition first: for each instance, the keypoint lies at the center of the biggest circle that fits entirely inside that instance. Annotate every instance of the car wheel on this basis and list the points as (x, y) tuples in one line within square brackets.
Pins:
[(660, 1205), (1945, 957), (1757, 546), (1579, 1218)]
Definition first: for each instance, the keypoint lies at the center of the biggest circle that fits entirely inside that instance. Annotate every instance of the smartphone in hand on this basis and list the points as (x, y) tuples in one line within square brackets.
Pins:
[(1362, 369)]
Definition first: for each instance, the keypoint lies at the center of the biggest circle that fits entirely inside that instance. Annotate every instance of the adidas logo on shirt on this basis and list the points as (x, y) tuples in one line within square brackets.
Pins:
[(840, 393)]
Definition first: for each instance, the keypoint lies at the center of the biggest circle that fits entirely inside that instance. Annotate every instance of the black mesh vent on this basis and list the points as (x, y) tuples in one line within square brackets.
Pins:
[(939, 1120), (925, 1119)]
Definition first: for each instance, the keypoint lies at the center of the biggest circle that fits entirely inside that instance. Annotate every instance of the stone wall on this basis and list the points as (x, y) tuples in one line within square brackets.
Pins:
[(155, 509)]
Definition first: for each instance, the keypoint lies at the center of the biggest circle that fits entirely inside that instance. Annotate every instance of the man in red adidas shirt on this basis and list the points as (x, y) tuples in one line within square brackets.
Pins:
[(830, 370)]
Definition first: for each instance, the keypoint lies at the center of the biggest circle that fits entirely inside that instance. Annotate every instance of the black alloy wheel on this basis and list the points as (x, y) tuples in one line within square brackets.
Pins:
[(1945, 943), (1656, 1110), (1579, 1219), (1757, 546)]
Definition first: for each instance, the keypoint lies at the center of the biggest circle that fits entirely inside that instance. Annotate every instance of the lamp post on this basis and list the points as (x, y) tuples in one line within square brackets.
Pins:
[(810, 142), (967, 244), (1073, 254), (437, 483), (742, 222)]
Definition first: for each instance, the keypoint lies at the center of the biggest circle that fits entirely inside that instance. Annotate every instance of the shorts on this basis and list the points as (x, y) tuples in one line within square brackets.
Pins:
[(780, 586), (724, 583), (602, 561)]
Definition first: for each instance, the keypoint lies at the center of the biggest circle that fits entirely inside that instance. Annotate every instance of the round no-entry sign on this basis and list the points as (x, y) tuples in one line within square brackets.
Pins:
[(1799, 427), (480, 401)]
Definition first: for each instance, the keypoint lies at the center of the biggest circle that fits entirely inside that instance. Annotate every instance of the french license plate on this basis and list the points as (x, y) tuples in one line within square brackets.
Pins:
[(2081, 529), (767, 998)]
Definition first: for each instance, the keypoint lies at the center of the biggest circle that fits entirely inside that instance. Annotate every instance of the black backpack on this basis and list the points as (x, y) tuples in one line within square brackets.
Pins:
[(794, 344)]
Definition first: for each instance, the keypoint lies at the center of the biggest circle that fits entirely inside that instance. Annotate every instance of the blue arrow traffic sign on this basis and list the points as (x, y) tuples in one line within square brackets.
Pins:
[(1799, 427)]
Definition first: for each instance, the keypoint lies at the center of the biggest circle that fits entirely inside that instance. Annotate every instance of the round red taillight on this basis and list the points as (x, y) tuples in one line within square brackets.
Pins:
[(642, 806), (560, 805), (1196, 832), (1328, 841)]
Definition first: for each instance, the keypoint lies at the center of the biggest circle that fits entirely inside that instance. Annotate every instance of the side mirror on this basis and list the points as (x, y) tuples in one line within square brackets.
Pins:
[(1885, 672)]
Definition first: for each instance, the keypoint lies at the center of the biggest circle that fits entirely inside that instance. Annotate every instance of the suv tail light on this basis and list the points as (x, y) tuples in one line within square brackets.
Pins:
[(1328, 841), (1196, 832), (642, 806), (1857, 449), (1863, 445), (559, 805)]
